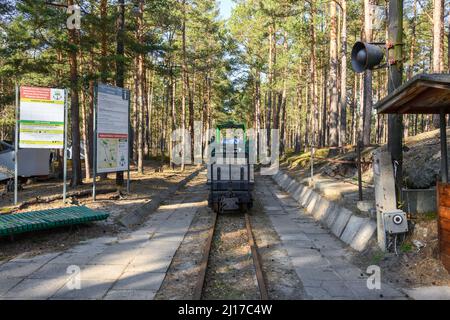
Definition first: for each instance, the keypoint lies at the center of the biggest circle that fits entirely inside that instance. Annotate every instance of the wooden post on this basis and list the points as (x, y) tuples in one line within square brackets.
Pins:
[(443, 138), (358, 152), (395, 57), (443, 195)]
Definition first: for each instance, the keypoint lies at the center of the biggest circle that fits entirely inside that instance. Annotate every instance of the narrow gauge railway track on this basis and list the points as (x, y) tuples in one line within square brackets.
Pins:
[(200, 285)]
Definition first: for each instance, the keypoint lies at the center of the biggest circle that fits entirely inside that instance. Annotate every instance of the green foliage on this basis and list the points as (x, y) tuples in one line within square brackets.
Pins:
[(406, 247), (34, 49), (232, 57), (303, 160), (430, 216), (377, 257)]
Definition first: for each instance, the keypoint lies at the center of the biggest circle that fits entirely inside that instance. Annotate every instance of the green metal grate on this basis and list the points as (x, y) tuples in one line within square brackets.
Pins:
[(47, 219)]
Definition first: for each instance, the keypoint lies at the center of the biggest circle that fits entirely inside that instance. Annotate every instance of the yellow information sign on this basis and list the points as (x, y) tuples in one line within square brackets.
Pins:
[(41, 123)]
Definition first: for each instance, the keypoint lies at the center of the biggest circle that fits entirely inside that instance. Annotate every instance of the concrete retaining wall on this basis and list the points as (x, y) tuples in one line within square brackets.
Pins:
[(353, 230), (420, 201)]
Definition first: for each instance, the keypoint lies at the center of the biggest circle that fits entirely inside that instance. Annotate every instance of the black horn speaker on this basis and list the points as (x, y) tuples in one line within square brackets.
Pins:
[(366, 56)]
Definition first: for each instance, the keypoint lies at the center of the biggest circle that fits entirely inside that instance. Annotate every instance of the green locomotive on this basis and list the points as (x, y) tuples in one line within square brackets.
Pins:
[(230, 171)]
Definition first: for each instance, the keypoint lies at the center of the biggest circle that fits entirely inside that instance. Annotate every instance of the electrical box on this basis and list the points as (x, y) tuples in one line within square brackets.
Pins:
[(395, 222)]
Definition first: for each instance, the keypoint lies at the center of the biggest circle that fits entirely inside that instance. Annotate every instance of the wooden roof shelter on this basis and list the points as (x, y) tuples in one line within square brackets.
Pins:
[(423, 94), (428, 94)]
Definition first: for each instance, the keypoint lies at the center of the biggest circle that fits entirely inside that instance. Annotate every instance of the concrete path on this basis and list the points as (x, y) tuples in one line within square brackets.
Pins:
[(131, 267), (430, 293), (321, 261)]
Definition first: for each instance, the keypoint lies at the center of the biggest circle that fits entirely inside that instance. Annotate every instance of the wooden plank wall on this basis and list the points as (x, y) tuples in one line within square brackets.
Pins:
[(443, 201)]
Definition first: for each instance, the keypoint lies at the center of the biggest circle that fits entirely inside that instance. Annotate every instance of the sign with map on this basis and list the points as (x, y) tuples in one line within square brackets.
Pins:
[(41, 123), (112, 128)]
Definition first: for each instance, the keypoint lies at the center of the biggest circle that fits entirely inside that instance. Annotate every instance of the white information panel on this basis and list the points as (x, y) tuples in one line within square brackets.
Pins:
[(41, 123), (112, 128)]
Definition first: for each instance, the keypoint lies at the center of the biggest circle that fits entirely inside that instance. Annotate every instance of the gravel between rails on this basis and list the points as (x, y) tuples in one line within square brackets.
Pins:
[(231, 273)]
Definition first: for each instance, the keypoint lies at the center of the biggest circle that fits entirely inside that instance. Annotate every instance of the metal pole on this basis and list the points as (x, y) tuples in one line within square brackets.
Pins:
[(94, 169), (16, 147), (443, 138), (358, 152), (128, 179), (312, 164), (66, 111), (129, 135)]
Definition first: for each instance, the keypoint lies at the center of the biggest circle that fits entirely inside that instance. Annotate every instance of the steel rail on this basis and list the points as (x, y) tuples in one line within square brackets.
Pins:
[(198, 290), (256, 261)]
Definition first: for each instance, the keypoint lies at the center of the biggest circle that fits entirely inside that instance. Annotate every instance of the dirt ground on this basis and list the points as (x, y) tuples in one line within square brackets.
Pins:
[(230, 274), (416, 262), (143, 187)]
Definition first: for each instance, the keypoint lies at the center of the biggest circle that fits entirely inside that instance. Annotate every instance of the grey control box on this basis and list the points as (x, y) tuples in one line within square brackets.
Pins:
[(395, 222)]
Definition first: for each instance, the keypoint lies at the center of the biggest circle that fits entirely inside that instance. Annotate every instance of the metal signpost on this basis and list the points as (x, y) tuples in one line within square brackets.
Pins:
[(312, 166), (94, 169), (16, 147), (66, 122), (129, 129), (111, 132), (41, 123)]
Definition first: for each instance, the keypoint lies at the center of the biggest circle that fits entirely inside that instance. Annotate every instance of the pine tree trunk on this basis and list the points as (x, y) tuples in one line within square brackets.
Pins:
[(438, 23), (299, 105), (368, 98), (308, 117), (104, 44), (298, 129), (135, 111), (74, 105), (191, 97), (184, 89), (141, 91), (150, 107), (343, 96), (354, 109), (103, 52), (84, 125), (448, 48), (164, 123), (281, 118), (413, 41), (323, 113), (90, 124), (120, 68), (173, 114), (315, 106), (257, 119), (269, 110), (334, 108)]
